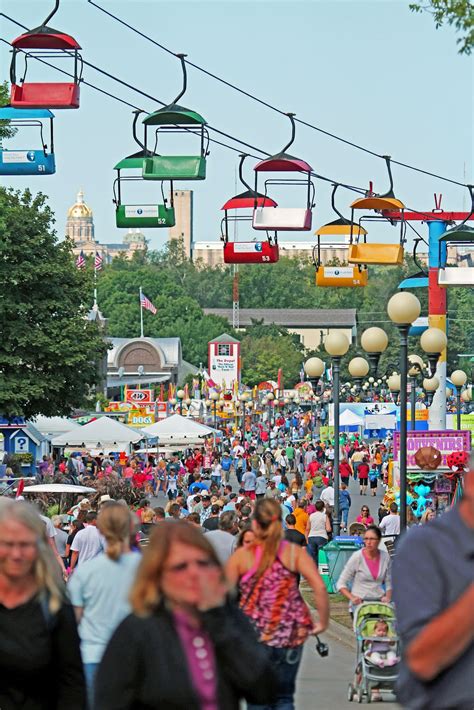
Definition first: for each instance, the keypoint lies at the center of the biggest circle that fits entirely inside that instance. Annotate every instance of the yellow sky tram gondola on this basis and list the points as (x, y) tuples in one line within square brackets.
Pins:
[(379, 253), (344, 276)]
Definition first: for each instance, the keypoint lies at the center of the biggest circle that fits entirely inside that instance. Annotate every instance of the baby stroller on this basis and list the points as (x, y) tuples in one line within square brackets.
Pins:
[(369, 676)]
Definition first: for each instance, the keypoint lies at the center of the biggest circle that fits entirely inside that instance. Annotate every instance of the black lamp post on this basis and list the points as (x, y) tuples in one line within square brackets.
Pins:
[(459, 379), (403, 308), (336, 345)]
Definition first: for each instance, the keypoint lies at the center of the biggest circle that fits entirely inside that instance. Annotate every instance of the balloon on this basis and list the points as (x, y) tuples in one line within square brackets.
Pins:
[(428, 458)]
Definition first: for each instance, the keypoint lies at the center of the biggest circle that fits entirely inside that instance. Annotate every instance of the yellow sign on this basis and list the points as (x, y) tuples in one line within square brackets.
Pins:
[(140, 418), (421, 415)]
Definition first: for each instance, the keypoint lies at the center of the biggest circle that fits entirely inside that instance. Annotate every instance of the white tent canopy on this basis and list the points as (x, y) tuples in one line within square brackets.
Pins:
[(54, 425), (104, 434), (348, 418), (58, 488), (177, 429)]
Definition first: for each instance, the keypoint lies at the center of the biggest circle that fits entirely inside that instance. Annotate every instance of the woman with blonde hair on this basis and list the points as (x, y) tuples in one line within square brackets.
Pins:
[(99, 588), (183, 647), (268, 582), (40, 662)]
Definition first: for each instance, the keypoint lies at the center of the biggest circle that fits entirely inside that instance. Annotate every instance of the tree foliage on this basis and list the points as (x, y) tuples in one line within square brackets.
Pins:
[(48, 350), (6, 130), (181, 289), (457, 13)]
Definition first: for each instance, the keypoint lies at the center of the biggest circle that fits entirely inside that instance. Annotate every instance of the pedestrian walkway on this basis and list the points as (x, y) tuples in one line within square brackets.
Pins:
[(322, 682)]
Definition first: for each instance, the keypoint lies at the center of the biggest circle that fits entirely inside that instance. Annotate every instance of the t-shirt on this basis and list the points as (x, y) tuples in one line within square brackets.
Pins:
[(317, 523), (390, 525), (223, 543), (88, 543), (327, 496), (296, 537), (101, 586), (50, 529), (61, 540), (261, 485), (249, 481)]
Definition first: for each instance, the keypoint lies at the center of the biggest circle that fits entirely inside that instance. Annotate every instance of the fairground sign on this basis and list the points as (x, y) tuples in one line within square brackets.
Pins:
[(445, 441)]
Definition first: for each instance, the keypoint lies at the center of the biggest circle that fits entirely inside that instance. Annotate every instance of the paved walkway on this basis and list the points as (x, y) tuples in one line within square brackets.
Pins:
[(322, 682)]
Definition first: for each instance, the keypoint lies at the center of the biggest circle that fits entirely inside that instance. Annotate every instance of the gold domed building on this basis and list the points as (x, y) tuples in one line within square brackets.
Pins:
[(80, 230)]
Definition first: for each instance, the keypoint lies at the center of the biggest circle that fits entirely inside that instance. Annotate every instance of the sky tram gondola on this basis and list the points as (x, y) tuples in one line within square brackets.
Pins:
[(460, 236), (293, 219), (176, 119), (362, 252), (128, 215), (45, 43), (338, 276), (29, 161), (250, 251)]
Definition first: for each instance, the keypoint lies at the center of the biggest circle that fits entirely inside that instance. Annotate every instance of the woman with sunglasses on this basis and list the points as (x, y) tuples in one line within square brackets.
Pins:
[(365, 517), (366, 575), (183, 647)]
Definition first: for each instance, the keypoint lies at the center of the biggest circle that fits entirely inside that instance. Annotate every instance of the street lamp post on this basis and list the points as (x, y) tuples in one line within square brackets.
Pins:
[(180, 395), (314, 368), (403, 308), (374, 341), (416, 368), (214, 397), (459, 379), (430, 385), (270, 398), (336, 345)]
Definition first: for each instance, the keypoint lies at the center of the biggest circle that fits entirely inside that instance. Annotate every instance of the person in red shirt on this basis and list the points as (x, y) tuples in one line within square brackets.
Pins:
[(363, 473), (139, 478), (345, 471), (313, 468)]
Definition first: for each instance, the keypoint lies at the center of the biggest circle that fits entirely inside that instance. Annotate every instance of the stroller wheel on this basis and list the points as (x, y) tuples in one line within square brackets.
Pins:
[(350, 692)]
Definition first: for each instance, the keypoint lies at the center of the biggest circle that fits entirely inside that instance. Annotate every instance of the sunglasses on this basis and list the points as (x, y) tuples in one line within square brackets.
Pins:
[(184, 566)]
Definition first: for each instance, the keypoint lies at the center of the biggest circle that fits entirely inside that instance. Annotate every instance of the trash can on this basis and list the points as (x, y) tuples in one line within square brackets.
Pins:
[(337, 552), (323, 569)]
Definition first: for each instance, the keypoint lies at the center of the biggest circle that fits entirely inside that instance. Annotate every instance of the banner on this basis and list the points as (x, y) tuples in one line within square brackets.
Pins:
[(446, 442)]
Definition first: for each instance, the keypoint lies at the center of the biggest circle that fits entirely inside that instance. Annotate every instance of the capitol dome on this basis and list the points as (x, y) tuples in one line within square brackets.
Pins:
[(79, 209), (134, 236)]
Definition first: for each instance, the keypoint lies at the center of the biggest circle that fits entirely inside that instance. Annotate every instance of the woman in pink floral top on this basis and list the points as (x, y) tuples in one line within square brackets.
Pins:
[(267, 577)]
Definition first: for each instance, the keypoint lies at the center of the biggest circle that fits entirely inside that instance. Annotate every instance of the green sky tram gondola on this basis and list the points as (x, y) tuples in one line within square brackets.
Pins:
[(140, 215), (176, 119)]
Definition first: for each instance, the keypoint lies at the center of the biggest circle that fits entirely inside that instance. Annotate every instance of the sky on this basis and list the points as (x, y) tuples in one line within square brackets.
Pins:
[(372, 72)]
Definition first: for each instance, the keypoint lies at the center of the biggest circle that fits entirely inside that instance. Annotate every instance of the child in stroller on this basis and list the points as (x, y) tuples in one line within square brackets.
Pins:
[(381, 652), (378, 652)]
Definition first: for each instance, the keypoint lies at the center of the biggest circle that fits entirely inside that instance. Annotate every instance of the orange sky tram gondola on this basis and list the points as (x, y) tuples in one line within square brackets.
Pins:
[(363, 252)]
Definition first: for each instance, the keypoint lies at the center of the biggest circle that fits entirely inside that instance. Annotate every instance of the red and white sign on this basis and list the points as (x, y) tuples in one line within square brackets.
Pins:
[(140, 397), (224, 363)]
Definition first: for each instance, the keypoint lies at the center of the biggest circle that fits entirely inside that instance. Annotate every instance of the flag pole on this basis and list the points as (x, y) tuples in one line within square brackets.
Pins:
[(141, 314), (95, 288)]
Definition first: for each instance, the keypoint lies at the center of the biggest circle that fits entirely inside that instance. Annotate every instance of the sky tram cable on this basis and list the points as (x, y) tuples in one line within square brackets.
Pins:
[(318, 176), (271, 106)]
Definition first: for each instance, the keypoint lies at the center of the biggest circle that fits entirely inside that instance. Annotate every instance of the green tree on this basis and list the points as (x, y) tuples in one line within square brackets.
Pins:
[(6, 131), (48, 349), (262, 357), (457, 13)]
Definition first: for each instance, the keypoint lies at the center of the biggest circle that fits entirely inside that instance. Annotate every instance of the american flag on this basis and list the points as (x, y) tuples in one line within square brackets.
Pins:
[(80, 261), (98, 261), (147, 304)]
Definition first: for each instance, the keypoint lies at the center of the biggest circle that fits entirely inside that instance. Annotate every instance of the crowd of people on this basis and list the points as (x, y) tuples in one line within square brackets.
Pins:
[(179, 587)]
